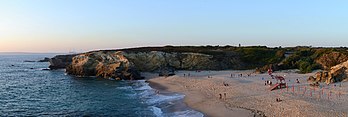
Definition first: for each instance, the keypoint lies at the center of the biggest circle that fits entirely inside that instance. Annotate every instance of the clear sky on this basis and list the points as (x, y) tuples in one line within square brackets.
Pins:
[(81, 25)]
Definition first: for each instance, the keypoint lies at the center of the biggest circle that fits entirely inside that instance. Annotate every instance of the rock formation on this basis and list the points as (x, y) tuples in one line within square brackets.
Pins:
[(103, 64), (45, 60), (60, 61), (336, 74), (124, 63)]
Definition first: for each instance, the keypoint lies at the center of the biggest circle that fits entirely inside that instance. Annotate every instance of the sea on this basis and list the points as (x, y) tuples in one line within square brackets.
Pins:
[(27, 89)]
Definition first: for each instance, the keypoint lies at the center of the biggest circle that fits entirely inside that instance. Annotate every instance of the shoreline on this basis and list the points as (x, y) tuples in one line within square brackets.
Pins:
[(210, 107)]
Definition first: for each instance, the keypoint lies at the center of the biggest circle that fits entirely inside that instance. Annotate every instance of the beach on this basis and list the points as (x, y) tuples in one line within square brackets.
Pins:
[(244, 94)]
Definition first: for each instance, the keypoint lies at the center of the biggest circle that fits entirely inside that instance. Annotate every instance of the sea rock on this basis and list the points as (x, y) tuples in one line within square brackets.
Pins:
[(103, 64), (60, 61), (45, 60), (29, 61)]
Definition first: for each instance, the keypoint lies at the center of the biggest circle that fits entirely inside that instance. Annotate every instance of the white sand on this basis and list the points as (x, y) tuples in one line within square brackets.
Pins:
[(249, 94)]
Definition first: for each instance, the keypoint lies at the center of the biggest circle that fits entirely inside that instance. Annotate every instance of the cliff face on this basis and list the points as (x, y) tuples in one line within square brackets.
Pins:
[(103, 64), (152, 61), (125, 65)]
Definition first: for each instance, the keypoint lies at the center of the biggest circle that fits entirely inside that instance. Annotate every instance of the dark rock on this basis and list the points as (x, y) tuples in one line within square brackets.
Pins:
[(29, 61), (45, 60), (60, 61), (166, 71)]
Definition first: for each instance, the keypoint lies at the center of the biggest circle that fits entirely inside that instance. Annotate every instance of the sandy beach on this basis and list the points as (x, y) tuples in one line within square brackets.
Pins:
[(244, 94)]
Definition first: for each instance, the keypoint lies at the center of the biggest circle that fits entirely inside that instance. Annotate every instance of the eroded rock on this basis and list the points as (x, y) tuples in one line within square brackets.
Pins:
[(336, 74), (103, 64)]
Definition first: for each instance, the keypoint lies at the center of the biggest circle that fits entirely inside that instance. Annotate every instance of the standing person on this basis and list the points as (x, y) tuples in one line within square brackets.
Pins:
[(220, 96)]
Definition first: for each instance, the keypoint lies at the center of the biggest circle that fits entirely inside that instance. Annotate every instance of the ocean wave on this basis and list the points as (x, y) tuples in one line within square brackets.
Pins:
[(186, 113), (125, 88), (157, 111), (159, 99), (155, 100)]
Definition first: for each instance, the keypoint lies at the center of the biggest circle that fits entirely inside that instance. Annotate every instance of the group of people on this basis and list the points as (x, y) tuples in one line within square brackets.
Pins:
[(187, 75), (221, 96), (268, 82), (225, 84), (278, 100)]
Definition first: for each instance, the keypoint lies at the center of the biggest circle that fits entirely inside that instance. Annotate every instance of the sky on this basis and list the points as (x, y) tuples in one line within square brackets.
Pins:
[(84, 25)]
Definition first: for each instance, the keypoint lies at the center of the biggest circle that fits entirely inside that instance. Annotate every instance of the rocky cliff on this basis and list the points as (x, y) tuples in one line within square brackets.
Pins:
[(154, 60), (125, 63), (103, 64), (336, 73)]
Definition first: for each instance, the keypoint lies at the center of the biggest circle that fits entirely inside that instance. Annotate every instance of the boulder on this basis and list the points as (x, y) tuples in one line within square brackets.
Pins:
[(103, 64)]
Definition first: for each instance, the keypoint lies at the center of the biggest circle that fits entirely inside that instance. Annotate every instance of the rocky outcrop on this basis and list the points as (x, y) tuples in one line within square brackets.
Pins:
[(336, 74), (103, 64), (60, 61), (125, 65), (45, 60)]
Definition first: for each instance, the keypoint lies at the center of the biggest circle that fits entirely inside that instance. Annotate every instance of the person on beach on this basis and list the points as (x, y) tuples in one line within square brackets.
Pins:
[(184, 75), (278, 99), (220, 96), (297, 81), (224, 95)]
